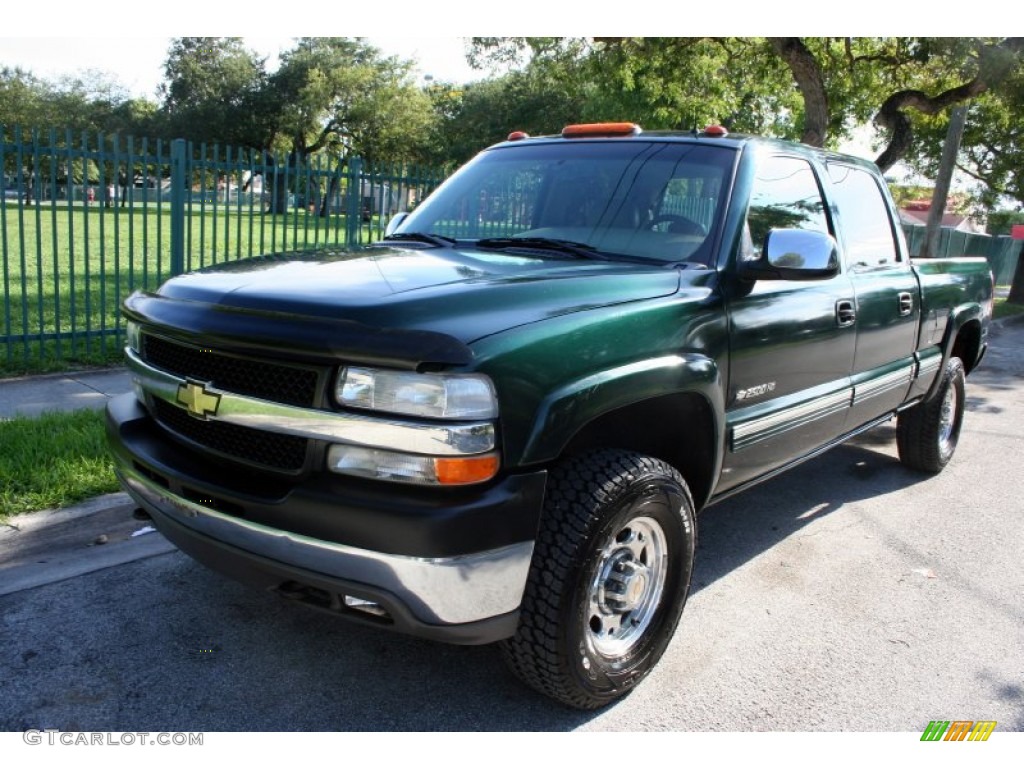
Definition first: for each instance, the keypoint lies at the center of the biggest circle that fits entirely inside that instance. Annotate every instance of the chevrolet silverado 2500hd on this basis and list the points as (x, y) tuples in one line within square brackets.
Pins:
[(499, 423)]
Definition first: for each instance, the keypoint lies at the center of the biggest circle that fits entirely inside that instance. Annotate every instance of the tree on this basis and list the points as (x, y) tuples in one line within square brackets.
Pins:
[(91, 101), (993, 145), (340, 94), (215, 92), (661, 83), (476, 115), (814, 89), (339, 97), (22, 98)]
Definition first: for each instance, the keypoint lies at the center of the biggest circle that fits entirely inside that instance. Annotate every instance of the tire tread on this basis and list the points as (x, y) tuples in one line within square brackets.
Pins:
[(917, 428), (575, 489)]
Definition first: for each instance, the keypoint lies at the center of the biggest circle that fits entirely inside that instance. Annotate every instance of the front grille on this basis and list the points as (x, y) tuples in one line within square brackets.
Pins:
[(267, 380), (267, 450)]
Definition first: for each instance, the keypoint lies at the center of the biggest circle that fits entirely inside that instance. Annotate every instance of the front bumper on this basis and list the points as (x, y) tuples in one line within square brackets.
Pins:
[(446, 566)]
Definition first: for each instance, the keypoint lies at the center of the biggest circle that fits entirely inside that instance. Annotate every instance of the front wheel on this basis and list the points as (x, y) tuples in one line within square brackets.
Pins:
[(927, 434), (610, 575)]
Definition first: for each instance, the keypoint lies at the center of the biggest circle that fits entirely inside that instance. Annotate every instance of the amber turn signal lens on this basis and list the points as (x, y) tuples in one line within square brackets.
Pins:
[(466, 469)]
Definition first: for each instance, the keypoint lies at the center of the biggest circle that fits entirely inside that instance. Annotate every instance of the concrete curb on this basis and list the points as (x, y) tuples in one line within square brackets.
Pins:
[(1011, 321), (48, 546), (43, 518)]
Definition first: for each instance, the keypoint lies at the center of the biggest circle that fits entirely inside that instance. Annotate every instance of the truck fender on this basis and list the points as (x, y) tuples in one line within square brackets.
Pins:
[(959, 317), (566, 411)]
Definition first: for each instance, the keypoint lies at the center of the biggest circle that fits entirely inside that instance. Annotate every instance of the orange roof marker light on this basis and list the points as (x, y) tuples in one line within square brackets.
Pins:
[(716, 130), (588, 130), (518, 135)]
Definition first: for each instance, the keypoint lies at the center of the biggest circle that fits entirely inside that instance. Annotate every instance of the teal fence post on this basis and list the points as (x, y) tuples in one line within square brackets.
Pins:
[(353, 202), (178, 160)]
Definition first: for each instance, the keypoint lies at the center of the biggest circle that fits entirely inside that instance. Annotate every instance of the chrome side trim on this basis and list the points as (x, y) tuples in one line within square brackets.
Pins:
[(930, 366), (883, 384), (765, 427), (434, 439), (447, 590), (756, 430)]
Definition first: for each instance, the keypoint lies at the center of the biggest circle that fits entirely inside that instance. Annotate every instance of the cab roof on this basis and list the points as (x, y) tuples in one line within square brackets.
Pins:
[(712, 134)]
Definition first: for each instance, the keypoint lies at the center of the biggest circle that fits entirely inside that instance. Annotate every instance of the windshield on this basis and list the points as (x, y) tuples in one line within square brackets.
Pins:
[(655, 200)]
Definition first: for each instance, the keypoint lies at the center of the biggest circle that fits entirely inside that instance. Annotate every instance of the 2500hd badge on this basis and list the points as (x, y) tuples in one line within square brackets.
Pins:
[(500, 423)]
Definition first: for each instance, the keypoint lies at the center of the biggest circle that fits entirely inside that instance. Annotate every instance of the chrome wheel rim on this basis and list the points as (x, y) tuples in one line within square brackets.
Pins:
[(627, 588), (947, 420)]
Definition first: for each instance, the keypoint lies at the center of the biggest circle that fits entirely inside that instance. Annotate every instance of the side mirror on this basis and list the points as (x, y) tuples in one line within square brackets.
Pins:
[(395, 223), (794, 254)]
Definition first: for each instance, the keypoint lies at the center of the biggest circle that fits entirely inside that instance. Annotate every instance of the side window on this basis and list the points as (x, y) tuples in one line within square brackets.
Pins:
[(785, 196), (864, 219)]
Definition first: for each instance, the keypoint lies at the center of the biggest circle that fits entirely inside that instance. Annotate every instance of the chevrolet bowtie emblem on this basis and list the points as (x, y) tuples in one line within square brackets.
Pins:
[(199, 403)]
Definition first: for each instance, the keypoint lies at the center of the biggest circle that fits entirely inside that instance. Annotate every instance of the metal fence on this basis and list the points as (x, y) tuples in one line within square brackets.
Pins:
[(1002, 252), (86, 219)]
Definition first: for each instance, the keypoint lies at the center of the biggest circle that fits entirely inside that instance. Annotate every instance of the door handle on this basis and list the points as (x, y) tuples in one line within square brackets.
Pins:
[(906, 304), (846, 314)]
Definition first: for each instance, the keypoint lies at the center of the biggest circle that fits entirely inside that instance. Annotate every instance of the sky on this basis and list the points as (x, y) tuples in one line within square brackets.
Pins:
[(137, 62)]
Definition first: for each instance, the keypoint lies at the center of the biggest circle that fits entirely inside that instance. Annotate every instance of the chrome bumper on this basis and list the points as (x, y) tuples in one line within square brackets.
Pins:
[(446, 591)]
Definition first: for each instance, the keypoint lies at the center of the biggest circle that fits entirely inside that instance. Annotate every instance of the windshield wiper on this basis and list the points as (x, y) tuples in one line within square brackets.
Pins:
[(570, 247), (422, 237)]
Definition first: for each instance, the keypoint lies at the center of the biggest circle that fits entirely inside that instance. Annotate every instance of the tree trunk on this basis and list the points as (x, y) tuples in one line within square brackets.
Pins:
[(279, 183), (954, 134), (332, 189), (810, 82)]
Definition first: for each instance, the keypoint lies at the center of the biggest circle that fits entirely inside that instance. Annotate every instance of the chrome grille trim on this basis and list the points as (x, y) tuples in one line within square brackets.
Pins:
[(455, 439)]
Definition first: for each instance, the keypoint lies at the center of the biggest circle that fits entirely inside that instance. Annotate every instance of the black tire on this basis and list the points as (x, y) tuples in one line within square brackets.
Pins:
[(927, 434), (614, 554)]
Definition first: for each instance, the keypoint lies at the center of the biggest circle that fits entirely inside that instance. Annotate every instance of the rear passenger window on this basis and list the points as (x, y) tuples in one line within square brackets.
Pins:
[(864, 222), (785, 196)]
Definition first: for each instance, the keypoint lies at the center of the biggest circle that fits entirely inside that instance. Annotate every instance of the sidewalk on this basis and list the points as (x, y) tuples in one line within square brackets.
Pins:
[(32, 395)]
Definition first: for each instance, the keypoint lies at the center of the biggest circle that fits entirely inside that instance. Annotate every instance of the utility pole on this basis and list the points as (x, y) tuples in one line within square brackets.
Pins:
[(954, 133)]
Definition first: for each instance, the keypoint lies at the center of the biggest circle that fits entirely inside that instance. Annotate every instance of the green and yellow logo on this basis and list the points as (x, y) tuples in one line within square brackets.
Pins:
[(198, 401), (958, 730)]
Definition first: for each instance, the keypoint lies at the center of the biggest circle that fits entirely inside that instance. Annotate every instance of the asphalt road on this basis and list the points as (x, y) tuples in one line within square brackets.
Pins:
[(848, 595)]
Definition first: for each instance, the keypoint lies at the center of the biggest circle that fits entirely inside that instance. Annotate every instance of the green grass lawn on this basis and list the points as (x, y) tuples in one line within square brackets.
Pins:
[(1005, 309), (66, 269), (53, 461)]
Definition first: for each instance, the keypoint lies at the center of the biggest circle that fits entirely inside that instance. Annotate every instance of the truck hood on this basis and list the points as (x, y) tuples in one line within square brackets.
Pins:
[(466, 294)]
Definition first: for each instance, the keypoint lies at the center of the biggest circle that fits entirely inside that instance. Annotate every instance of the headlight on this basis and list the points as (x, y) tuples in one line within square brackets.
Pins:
[(433, 395), (394, 466), (133, 337)]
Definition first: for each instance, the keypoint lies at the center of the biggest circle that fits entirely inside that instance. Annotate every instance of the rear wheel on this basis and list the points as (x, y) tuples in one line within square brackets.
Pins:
[(610, 575), (927, 434)]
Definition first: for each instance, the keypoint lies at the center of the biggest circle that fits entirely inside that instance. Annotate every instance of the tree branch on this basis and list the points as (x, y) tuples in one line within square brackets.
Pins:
[(995, 63)]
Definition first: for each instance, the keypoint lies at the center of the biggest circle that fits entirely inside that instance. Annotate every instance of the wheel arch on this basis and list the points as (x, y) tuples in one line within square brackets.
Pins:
[(678, 428), (967, 344), (965, 339), (664, 408)]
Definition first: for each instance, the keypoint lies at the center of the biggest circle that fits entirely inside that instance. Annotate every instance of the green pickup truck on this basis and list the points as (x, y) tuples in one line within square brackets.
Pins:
[(498, 424)]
